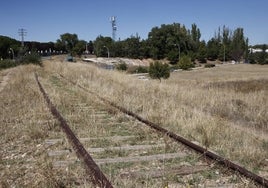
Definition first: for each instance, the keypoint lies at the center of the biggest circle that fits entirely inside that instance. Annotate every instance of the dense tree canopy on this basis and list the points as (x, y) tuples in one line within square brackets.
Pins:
[(5, 44), (169, 41)]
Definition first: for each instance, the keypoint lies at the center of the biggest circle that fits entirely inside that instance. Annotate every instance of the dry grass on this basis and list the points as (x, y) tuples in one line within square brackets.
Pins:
[(224, 109), (25, 123)]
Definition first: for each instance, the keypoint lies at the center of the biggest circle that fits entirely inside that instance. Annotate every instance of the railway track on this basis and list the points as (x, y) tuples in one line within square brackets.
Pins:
[(4, 81), (117, 149)]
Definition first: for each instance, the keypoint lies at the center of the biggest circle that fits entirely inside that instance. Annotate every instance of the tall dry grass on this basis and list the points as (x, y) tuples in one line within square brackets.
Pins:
[(224, 109), (25, 123)]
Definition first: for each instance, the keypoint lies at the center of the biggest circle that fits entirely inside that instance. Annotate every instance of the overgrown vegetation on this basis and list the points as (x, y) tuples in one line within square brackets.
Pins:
[(223, 109), (137, 69), (158, 70), (209, 65), (7, 63), (121, 66), (222, 118), (32, 58), (259, 57), (185, 63)]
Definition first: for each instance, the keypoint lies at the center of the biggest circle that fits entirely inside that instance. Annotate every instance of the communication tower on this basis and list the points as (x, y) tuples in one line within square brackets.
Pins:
[(114, 27)]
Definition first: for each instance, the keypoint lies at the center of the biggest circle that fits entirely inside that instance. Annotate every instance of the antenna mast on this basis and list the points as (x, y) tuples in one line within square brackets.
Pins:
[(22, 32), (114, 27)]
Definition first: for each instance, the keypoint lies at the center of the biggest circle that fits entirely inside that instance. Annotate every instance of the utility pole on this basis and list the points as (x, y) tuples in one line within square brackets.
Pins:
[(22, 32)]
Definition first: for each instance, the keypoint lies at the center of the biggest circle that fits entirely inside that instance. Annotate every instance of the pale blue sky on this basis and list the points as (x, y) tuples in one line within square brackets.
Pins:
[(46, 20)]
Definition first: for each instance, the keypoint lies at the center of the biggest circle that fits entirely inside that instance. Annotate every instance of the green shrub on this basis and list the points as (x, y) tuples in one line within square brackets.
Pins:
[(209, 65), (7, 63), (121, 66), (137, 69), (185, 63), (158, 70), (142, 69), (32, 58)]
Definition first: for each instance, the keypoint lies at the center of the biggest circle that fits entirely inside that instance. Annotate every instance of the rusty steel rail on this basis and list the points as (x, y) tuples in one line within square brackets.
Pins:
[(221, 160), (96, 175)]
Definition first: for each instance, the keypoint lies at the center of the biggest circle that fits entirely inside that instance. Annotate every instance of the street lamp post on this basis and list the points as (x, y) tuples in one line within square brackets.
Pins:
[(86, 48), (13, 56), (108, 52), (223, 53)]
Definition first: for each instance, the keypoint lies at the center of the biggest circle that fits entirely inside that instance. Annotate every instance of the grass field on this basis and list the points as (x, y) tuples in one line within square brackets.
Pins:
[(224, 109)]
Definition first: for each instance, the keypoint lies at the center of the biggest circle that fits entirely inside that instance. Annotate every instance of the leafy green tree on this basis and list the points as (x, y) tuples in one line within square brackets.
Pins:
[(90, 47), (100, 50), (202, 52), (133, 46), (258, 57), (118, 49), (79, 47), (69, 41), (5, 44), (195, 37), (172, 56), (144, 49), (158, 70), (213, 48), (262, 56), (238, 45)]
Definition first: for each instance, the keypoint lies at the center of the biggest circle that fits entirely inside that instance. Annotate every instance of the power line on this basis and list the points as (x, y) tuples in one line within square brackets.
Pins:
[(22, 32)]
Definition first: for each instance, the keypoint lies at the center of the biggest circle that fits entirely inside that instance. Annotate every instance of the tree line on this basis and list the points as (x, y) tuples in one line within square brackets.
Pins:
[(168, 41)]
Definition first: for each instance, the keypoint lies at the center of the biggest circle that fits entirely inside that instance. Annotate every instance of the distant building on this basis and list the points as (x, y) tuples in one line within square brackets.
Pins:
[(255, 50)]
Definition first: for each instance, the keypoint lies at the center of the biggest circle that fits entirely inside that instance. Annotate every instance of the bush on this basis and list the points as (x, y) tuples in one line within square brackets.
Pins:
[(137, 69), (185, 63), (209, 65), (32, 58), (158, 70), (7, 63), (121, 66)]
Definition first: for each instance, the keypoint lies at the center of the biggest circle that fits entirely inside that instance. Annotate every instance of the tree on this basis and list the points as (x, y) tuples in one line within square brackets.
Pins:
[(100, 42), (172, 39), (90, 47), (132, 46), (213, 47), (158, 70), (79, 47), (69, 41), (202, 52), (262, 56), (195, 37), (238, 45), (5, 44)]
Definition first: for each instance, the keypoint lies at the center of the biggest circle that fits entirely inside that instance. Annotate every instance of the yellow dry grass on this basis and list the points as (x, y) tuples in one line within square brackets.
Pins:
[(223, 109)]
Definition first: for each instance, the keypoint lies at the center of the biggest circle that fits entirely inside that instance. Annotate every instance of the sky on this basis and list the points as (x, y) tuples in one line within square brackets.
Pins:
[(45, 21)]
